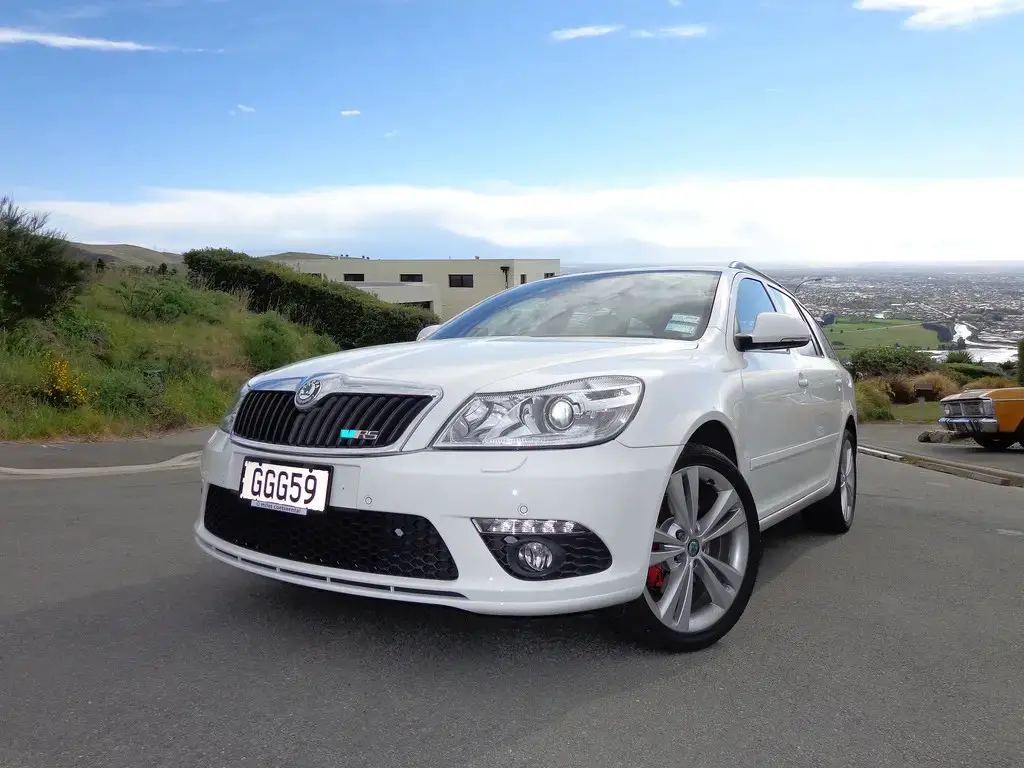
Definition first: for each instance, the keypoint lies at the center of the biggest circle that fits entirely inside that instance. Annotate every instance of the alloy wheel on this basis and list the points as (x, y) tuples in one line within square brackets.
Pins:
[(700, 553)]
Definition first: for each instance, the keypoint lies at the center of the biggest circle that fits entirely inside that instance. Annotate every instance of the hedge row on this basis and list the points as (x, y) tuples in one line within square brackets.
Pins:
[(349, 316)]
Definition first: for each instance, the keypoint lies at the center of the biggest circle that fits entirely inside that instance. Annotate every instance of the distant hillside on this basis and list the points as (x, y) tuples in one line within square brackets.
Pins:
[(133, 255), (295, 255)]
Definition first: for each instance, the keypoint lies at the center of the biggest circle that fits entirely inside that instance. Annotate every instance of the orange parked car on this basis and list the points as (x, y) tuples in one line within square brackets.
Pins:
[(993, 417)]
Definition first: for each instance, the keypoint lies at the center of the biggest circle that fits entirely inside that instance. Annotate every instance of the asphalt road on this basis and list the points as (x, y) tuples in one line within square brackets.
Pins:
[(902, 438), (900, 644)]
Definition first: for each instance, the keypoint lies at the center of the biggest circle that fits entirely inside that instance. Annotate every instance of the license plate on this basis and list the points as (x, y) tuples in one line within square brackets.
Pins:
[(285, 487), (960, 426)]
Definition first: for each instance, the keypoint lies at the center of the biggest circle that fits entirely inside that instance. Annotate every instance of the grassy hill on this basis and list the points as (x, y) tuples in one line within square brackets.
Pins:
[(129, 255), (136, 354)]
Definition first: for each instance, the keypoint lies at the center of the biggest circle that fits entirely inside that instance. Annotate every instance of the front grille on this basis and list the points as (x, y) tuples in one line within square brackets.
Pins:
[(270, 416), (384, 543), (584, 554)]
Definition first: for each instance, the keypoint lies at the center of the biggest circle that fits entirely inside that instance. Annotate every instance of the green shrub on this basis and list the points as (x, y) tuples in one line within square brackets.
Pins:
[(162, 300), (890, 361), (873, 403), (349, 316), (970, 371), (183, 363), (73, 324), (271, 343), (36, 276), (125, 392), (959, 356)]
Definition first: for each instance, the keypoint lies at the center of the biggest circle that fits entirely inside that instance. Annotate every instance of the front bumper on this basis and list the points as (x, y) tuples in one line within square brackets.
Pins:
[(613, 490), (970, 424)]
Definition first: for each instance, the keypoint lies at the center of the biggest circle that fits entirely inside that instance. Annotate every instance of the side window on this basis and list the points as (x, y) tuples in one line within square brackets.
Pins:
[(751, 301), (787, 306), (823, 341)]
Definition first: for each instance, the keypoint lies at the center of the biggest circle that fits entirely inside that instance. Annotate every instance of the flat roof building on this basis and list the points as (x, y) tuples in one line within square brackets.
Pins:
[(445, 286)]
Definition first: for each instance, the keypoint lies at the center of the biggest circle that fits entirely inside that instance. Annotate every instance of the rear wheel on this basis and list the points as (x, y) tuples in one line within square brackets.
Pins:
[(995, 443), (704, 557), (834, 513)]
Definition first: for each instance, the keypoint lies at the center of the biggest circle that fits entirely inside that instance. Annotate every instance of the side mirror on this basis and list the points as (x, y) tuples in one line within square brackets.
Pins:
[(774, 330), (426, 333)]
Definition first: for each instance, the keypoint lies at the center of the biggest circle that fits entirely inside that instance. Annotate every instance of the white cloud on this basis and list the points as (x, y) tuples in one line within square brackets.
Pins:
[(936, 14), (11, 36), (575, 33), (246, 109), (796, 220), (350, 113), (675, 3), (391, 134), (689, 30)]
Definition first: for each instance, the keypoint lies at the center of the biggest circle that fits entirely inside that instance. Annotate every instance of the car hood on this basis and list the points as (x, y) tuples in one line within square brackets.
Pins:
[(462, 366), (996, 393)]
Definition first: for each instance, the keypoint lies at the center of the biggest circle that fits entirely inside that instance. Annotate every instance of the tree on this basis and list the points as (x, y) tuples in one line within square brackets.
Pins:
[(36, 276), (101, 265), (162, 269)]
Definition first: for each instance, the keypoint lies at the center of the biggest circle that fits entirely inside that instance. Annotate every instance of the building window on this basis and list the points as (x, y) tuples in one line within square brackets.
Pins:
[(460, 281), (522, 279), (353, 277), (410, 278), (548, 274)]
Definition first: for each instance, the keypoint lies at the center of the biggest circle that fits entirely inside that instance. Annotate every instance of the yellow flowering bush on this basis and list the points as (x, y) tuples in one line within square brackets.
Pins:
[(63, 388)]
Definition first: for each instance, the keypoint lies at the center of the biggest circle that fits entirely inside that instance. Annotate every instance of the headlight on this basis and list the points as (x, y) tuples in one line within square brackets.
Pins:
[(988, 408), (228, 422), (572, 414)]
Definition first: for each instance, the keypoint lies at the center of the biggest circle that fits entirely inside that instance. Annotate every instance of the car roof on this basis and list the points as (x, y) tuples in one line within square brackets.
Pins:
[(734, 267)]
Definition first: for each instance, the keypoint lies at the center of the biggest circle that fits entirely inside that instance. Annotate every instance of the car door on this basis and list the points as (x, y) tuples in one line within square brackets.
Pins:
[(824, 397), (772, 422)]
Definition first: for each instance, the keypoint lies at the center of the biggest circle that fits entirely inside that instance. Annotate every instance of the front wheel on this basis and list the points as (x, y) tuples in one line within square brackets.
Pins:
[(995, 443), (705, 552)]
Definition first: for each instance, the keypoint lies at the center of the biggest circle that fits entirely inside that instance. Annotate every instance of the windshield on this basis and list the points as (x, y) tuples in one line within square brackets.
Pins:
[(661, 305)]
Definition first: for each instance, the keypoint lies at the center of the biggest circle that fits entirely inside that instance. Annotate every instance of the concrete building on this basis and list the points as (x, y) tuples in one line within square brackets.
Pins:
[(445, 286)]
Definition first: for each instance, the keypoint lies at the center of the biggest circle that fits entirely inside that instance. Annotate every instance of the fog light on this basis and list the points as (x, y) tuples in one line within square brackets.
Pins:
[(535, 556)]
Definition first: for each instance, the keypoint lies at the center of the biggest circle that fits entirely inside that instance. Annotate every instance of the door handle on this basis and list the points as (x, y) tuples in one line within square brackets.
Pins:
[(802, 380)]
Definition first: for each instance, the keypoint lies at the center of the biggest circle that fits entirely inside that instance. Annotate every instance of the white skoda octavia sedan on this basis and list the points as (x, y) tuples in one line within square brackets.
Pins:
[(613, 440)]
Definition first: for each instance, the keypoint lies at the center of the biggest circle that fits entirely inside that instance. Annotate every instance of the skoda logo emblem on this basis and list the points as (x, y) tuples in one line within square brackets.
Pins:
[(307, 392)]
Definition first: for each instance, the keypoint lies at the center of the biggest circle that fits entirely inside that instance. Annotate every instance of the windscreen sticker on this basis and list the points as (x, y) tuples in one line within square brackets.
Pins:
[(684, 328), (692, 319)]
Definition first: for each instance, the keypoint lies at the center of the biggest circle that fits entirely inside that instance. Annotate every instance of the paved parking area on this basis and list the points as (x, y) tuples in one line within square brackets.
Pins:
[(899, 644)]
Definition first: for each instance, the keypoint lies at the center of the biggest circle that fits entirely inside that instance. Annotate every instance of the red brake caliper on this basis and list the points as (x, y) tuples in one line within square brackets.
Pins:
[(655, 577)]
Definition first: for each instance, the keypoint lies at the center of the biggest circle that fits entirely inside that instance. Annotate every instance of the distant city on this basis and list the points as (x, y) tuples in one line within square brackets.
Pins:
[(984, 311)]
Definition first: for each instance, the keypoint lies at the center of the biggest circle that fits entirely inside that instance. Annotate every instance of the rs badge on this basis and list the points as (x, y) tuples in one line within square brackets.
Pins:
[(359, 434)]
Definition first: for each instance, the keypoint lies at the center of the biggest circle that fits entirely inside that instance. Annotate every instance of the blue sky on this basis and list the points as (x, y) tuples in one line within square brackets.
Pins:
[(780, 129)]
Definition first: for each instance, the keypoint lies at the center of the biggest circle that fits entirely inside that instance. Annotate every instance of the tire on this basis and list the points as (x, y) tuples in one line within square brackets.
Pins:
[(995, 443), (682, 558), (835, 513)]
